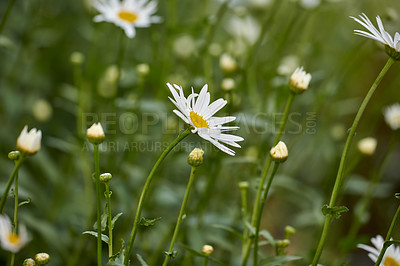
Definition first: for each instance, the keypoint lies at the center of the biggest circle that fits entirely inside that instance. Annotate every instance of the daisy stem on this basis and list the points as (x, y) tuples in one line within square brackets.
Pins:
[(339, 177), (243, 192), (109, 218), (205, 260), (10, 181), (5, 16), (259, 213), (139, 208), (15, 224), (180, 216), (256, 207), (388, 236), (98, 201)]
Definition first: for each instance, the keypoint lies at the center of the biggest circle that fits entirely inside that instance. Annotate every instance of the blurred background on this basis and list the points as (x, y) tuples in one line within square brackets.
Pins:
[(59, 72)]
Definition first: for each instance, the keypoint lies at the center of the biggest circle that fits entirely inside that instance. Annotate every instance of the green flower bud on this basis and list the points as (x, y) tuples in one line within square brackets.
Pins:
[(283, 243), (29, 262), (289, 230), (243, 185), (207, 250), (195, 158), (42, 258), (105, 177), (14, 155)]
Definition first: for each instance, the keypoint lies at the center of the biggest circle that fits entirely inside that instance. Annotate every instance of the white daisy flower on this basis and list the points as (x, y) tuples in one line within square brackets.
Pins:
[(379, 35), (127, 14), (392, 116), (299, 80), (9, 240), (29, 142), (199, 114), (392, 254)]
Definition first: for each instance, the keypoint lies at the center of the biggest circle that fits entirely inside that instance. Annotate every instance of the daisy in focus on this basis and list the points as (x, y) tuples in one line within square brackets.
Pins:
[(11, 241), (392, 254), (392, 116), (127, 14), (29, 142), (198, 113), (379, 35)]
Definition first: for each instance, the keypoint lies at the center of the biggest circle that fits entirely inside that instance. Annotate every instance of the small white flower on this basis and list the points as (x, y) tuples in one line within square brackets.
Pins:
[(392, 116), (199, 114), (127, 14), (367, 146), (29, 142), (9, 240), (95, 133), (279, 153), (246, 29), (299, 80), (227, 63), (392, 254), (379, 35)]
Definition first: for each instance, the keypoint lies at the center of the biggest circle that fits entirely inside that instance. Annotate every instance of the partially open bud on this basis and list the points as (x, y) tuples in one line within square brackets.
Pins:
[(207, 250), (279, 153), (42, 258), (105, 177), (29, 142), (243, 185), (299, 81), (29, 262), (195, 158), (13, 155), (95, 133), (367, 146)]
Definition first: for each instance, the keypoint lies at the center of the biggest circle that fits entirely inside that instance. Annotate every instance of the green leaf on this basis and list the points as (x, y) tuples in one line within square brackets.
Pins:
[(118, 257), (172, 254), (267, 235), (278, 260), (228, 229), (103, 220), (148, 222), (141, 260), (115, 219), (104, 238), (335, 212), (25, 202)]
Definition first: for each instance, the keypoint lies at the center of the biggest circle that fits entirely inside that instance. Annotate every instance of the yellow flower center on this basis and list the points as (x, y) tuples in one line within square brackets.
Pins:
[(14, 239), (198, 121), (389, 261), (127, 16)]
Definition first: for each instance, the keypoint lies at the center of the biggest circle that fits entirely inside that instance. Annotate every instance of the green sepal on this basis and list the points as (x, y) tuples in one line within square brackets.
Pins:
[(148, 222), (335, 212)]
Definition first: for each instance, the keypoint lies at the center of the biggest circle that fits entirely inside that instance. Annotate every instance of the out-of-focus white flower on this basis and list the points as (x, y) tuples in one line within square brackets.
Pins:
[(392, 116), (77, 58), (299, 80), (392, 254), (279, 153), (228, 84), (309, 4), (367, 146), (199, 114), (260, 4), (215, 49), (382, 36), (11, 241), (227, 63), (127, 14), (42, 110), (246, 29), (288, 65), (184, 46), (29, 142), (107, 84), (142, 69), (95, 133)]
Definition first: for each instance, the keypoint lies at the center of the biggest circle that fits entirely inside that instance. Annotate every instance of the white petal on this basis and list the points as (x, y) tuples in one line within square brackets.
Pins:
[(184, 118), (214, 107)]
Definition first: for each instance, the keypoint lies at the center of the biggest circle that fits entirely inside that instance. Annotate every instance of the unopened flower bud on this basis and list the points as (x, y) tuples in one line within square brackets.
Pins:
[(29, 142), (227, 63), (392, 116), (14, 155), (95, 133), (195, 158), (207, 250), (289, 230), (105, 177), (77, 58), (283, 243), (228, 84), (42, 258), (299, 81), (279, 153), (367, 146), (243, 185), (29, 262), (142, 69)]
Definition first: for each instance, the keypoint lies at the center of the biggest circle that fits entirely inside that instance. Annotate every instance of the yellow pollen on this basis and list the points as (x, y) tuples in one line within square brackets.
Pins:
[(198, 121), (389, 261), (127, 16), (13, 239)]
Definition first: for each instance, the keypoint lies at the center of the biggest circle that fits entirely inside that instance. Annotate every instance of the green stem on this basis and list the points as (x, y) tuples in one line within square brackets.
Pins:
[(388, 237), (205, 261), (256, 207), (10, 181), (98, 201), (243, 192), (145, 190), (260, 210), (5, 16), (339, 177), (180, 216), (110, 236), (15, 224)]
